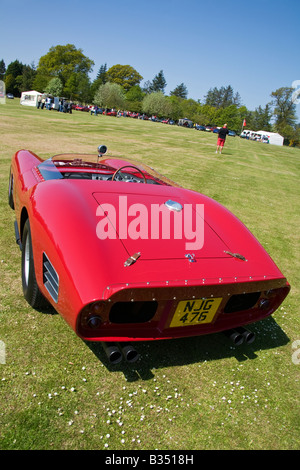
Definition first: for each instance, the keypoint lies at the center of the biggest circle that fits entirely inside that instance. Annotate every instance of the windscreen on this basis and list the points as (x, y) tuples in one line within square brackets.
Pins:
[(49, 171)]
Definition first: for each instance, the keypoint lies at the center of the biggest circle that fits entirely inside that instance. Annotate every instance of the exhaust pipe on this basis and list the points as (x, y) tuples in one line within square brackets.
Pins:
[(112, 352), (129, 352), (248, 336), (236, 337)]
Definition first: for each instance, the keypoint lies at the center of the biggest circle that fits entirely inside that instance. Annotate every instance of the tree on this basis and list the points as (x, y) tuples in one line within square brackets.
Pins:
[(101, 79), (102, 75), (134, 98), (158, 83), (284, 108), (222, 97), (232, 115), (180, 91), (2, 69), (78, 87), (14, 70), (190, 109), (84, 88), (62, 62), (110, 95), (260, 118), (175, 104), (123, 75), (25, 81), (54, 87), (156, 104)]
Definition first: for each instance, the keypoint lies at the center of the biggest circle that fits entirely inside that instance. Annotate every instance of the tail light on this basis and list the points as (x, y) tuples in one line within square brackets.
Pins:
[(92, 315)]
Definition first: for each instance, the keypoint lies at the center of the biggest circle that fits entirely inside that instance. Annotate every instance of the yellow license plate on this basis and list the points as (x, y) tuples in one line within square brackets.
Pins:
[(195, 312)]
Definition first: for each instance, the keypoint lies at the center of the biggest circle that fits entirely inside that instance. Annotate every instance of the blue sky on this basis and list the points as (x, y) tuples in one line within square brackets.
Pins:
[(252, 46)]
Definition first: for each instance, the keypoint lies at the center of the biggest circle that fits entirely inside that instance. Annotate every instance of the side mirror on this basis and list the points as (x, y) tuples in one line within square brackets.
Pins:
[(101, 150)]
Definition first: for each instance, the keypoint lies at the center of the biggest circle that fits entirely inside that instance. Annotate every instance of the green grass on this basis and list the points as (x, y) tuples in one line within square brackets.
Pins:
[(58, 392)]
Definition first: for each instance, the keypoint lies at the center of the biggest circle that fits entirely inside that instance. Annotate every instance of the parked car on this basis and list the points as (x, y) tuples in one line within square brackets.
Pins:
[(134, 115), (81, 107), (76, 225), (185, 122), (110, 112)]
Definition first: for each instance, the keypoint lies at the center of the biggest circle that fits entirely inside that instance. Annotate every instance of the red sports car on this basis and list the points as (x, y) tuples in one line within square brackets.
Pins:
[(125, 255), (80, 107), (110, 112)]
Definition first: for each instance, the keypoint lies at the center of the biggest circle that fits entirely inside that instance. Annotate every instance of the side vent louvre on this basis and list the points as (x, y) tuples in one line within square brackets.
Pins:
[(50, 278)]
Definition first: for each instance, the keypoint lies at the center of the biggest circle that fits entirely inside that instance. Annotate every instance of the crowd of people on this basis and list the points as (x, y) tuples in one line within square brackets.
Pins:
[(60, 104), (64, 106)]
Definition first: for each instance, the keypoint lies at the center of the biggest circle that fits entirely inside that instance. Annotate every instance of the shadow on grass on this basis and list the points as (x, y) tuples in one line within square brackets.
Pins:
[(183, 351)]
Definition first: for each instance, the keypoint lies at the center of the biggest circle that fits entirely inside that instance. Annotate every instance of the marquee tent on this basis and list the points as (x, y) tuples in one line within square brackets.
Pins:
[(263, 136), (29, 98), (274, 137)]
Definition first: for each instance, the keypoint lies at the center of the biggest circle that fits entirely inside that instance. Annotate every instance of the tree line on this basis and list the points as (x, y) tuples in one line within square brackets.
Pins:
[(64, 71)]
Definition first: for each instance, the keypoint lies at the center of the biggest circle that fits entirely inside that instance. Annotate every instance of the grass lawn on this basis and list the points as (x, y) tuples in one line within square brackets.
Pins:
[(58, 392)]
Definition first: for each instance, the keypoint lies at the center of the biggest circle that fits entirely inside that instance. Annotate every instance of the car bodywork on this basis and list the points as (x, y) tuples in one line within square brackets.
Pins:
[(120, 288)]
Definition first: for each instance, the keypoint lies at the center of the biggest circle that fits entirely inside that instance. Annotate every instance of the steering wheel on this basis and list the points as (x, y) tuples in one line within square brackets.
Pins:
[(128, 166)]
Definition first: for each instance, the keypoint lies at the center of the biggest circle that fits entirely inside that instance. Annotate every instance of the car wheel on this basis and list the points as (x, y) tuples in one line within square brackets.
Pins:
[(10, 191), (31, 290)]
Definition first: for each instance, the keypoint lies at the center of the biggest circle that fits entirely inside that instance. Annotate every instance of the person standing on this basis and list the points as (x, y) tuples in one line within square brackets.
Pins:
[(221, 138), (39, 101)]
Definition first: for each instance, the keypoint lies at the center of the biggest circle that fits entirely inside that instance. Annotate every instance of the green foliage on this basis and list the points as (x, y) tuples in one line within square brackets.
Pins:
[(222, 97), (40, 82), (135, 94), (15, 68), (157, 104), (158, 83), (284, 108), (18, 77), (175, 107), (260, 118), (134, 98), (54, 87), (63, 61), (123, 75), (110, 95), (180, 91), (102, 75), (77, 88), (25, 81), (2, 69)]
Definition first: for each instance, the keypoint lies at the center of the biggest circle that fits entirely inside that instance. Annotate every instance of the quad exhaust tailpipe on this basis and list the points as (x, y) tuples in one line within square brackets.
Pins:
[(116, 351), (240, 335), (129, 352), (112, 352), (248, 336)]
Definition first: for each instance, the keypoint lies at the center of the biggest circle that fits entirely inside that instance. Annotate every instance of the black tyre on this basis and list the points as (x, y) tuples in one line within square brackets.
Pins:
[(31, 290)]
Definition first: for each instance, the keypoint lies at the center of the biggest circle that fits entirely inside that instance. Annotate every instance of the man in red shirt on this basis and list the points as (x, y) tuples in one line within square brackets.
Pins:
[(221, 138)]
